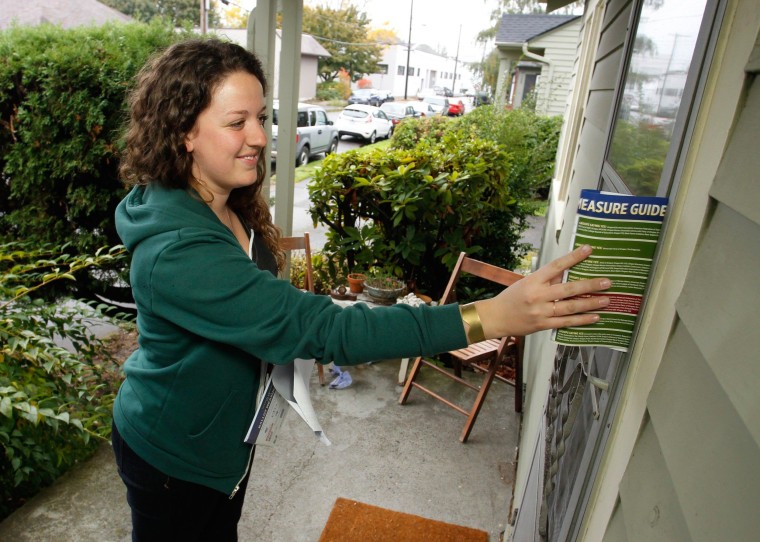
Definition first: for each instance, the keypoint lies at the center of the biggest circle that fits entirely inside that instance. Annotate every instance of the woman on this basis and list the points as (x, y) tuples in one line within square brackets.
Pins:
[(204, 259)]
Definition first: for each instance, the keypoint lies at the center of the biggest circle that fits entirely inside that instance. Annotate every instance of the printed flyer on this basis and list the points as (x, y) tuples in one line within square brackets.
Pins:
[(623, 231), (287, 385)]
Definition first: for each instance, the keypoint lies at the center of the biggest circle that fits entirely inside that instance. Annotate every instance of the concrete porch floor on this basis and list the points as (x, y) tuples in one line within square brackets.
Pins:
[(405, 458)]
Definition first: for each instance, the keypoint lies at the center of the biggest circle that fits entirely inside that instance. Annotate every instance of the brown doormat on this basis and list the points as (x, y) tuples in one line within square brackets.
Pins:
[(352, 521)]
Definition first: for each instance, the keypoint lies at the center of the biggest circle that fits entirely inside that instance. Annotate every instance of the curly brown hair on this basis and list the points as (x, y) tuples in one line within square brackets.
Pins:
[(171, 90)]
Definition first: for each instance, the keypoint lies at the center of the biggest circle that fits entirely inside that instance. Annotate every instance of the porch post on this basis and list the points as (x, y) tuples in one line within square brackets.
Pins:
[(290, 71)]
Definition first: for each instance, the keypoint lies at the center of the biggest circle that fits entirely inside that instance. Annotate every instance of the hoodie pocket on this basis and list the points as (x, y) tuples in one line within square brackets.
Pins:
[(217, 422)]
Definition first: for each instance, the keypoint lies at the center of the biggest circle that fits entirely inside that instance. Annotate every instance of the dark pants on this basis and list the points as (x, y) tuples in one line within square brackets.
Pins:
[(166, 509)]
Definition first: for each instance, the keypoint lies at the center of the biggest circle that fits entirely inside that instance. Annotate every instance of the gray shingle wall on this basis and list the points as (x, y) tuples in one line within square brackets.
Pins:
[(64, 13)]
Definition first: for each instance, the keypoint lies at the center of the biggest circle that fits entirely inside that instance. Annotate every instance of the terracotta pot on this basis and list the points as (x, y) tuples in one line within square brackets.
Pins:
[(356, 282)]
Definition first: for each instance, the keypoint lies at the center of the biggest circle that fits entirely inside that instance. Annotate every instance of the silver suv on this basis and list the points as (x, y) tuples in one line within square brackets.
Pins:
[(315, 134)]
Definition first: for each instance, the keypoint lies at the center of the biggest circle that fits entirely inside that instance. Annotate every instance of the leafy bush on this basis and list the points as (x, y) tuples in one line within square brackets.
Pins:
[(62, 104), (52, 399), (322, 280), (329, 91), (445, 185), (410, 133), (409, 211), (531, 141)]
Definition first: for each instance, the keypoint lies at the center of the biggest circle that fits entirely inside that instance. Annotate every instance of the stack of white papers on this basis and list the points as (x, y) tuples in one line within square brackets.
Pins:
[(287, 385)]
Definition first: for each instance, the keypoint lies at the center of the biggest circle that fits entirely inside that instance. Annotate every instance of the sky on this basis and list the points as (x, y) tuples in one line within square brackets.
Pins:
[(434, 22)]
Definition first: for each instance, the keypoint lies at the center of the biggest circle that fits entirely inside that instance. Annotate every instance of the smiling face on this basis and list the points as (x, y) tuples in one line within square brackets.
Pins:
[(228, 137)]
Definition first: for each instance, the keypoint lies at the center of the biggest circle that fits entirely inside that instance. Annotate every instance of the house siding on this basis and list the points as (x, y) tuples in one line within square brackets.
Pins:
[(648, 508), (585, 162), (703, 409), (692, 468), (561, 47), (682, 461), (593, 136), (583, 172)]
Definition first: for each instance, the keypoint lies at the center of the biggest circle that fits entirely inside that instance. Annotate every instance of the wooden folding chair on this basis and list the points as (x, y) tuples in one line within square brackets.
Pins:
[(492, 351), (289, 244)]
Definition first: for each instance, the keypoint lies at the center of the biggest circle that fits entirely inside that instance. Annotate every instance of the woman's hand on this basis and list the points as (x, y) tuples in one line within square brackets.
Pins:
[(541, 301)]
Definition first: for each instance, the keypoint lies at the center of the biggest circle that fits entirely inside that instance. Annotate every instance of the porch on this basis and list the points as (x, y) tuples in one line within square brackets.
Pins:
[(406, 458)]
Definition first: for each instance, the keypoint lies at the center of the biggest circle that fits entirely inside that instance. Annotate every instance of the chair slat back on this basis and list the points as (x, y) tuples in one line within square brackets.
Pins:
[(289, 244), (477, 268)]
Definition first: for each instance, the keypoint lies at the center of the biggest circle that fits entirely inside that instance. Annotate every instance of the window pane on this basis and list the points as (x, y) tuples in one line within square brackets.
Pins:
[(662, 53), (355, 113)]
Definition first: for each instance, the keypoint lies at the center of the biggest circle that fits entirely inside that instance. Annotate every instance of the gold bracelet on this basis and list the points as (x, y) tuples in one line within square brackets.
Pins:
[(472, 319)]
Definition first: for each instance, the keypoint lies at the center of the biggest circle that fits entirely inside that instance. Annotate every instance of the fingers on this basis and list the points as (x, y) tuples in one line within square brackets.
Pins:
[(572, 321), (556, 267), (579, 288), (579, 304)]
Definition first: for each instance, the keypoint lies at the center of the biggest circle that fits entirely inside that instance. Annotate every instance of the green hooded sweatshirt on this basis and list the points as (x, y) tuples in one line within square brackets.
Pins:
[(206, 316)]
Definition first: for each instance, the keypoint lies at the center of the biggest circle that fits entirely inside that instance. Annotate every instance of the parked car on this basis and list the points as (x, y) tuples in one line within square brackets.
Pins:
[(398, 111), (456, 108), (366, 96), (426, 92), (443, 91), (481, 98), (315, 134), (385, 96), (439, 103), (423, 109), (365, 121)]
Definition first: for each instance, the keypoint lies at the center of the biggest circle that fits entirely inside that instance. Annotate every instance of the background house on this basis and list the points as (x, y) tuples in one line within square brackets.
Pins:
[(311, 52), (665, 101), (427, 69), (536, 54), (64, 13)]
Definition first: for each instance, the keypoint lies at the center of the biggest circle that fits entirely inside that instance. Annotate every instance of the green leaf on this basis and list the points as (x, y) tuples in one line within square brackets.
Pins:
[(63, 416), (6, 408)]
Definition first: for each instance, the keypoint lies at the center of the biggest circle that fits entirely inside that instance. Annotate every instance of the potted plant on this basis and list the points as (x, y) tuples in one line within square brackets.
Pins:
[(356, 282), (383, 288)]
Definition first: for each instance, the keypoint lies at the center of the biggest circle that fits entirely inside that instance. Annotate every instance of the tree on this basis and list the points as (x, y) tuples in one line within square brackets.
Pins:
[(384, 35), (178, 12), (345, 34), (487, 70), (233, 16)]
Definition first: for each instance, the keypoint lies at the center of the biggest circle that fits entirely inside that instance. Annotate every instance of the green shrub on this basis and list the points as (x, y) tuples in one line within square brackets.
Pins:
[(531, 141), (322, 279), (445, 185), (329, 91), (409, 210), (62, 104), (408, 134), (52, 399)]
